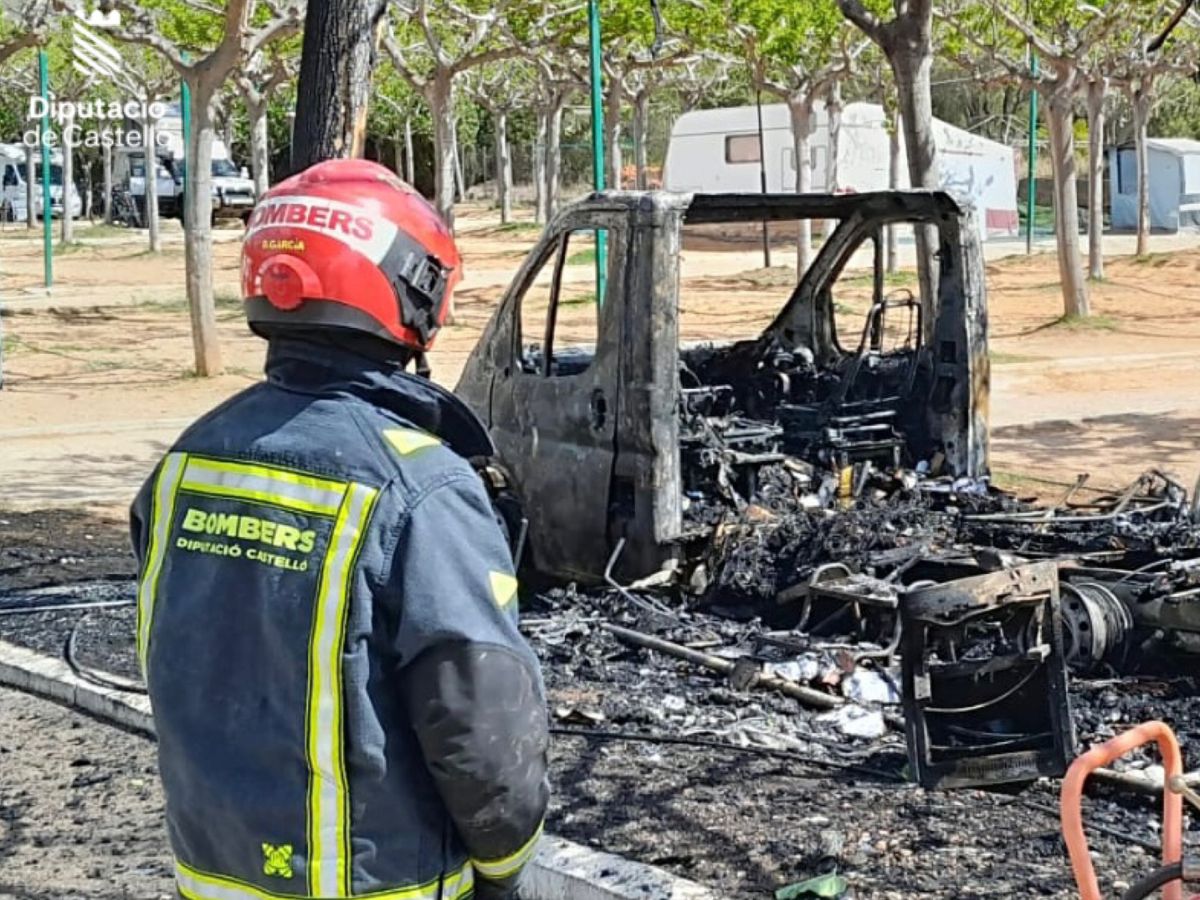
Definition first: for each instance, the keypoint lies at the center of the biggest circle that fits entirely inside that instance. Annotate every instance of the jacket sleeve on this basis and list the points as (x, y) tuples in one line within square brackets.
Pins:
[(470, 682), (139, 519)]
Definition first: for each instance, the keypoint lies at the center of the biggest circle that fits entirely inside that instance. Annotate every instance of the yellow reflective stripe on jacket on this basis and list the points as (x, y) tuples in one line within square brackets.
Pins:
[(196, 885), (264, 484), (328, 814), (162, 512), (499, 869)]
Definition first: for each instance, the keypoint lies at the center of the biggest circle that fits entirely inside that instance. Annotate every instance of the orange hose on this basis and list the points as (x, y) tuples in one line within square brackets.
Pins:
[(1072, 803)]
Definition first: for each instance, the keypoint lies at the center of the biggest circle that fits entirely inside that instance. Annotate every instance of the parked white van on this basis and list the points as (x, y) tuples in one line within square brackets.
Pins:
[(15, 190)]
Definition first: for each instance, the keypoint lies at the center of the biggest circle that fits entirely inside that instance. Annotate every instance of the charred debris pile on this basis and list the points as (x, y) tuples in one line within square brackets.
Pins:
[(833, 561)]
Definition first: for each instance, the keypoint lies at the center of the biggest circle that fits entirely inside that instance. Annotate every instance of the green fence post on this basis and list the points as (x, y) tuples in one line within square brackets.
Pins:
[(598, 143), (47, 219)]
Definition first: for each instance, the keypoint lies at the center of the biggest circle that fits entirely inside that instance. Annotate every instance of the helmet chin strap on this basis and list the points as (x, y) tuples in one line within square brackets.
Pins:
[(421, 364)]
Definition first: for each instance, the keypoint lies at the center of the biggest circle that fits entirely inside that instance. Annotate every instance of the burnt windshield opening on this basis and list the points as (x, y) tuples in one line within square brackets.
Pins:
[(829, 379)]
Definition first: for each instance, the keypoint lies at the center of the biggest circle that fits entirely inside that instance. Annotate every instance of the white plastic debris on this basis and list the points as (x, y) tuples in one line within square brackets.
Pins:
[(801, 670), (870, 686), (854, 721), (671, 703)]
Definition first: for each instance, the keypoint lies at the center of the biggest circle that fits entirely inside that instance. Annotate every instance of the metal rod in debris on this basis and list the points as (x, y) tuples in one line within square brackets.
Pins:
[(799, 692)]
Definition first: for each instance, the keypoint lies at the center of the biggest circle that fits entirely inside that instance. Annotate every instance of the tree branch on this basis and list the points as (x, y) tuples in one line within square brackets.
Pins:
[(867, 21)]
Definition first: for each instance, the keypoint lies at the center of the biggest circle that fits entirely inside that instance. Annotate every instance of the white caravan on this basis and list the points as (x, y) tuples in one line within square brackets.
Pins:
[(717, 151), (13, 187)]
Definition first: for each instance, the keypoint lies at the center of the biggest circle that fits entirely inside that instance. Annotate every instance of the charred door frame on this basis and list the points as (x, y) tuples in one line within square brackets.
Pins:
[(557, 434)]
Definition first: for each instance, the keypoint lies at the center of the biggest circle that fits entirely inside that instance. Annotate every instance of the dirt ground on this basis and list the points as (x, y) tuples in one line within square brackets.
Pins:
[(80, 808), (97, 376), (743, 824)]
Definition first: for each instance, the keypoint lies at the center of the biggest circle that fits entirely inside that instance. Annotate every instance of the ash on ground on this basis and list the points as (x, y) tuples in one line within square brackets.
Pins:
[(740, 787)]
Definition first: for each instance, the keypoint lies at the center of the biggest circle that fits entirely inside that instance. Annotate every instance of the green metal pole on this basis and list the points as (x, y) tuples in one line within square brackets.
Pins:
[(47, 223), (1031, 182), (1031, 186), (185, 103), (598, 143)]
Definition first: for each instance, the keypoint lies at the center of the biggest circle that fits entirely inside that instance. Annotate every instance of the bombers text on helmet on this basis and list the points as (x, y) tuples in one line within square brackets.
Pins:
[(346, 244)]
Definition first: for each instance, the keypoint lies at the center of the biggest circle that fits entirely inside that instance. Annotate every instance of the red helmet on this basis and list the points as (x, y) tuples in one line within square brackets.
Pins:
[(346, 244)]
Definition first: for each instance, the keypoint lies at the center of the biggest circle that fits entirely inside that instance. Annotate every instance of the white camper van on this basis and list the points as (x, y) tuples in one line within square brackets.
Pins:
[(232, 187), (717, 151), (14, 188)]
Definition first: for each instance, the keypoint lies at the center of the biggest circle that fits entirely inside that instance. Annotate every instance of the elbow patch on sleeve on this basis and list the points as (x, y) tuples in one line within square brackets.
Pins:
[(478, 713)]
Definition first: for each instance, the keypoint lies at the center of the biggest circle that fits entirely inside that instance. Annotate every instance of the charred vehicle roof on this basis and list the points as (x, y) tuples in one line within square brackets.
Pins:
[(619, 434)]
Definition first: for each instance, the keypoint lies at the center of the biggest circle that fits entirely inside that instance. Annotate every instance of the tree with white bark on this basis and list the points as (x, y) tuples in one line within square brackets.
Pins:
[(997, 37), (641, 42), (257, 85), (798, 53), (906, 39), (398, 116), (23, 25), (205, 43), (433, 43), (501, 89), (1139, 74), (559, 74)]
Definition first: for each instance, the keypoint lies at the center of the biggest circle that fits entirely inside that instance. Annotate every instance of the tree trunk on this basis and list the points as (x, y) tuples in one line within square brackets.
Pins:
[(541, 199), (151, 192), (894, 180), (1141, 121), (68, 180), (88, 189), (641, 121), (503, 167), (339, 54), (612, 132), (260, 143), (1060, 115), (30, 187), (800, 106), (440, 95), (1096, 94), (197, 222), (553, 173), (460, 184), (106, 152), (912, 64), (410, 168), (833, 116)]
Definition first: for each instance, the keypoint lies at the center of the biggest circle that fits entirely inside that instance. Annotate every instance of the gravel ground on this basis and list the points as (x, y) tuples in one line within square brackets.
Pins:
[(743, 824), (80, 808)]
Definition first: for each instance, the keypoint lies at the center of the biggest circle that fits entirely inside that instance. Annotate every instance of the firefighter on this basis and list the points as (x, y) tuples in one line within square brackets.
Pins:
[(327, 608)]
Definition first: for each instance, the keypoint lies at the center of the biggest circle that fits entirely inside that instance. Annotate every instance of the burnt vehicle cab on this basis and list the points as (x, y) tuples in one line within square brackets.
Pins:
[(623, 407)]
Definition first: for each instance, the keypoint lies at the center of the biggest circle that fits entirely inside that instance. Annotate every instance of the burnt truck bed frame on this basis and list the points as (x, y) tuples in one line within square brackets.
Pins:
[(594, 452)]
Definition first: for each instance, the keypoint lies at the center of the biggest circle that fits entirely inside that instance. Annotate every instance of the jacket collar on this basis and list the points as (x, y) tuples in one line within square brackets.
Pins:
[(325, 368)]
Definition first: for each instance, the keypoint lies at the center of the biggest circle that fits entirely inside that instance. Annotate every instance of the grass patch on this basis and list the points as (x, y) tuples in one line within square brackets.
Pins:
[(776, 276), (579, 299), (227, 300), (1021, 484), (585, 257), (1155, 260), (893, 279), (1000, 358), (102, 230), (9, 344), (1086, 323)]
